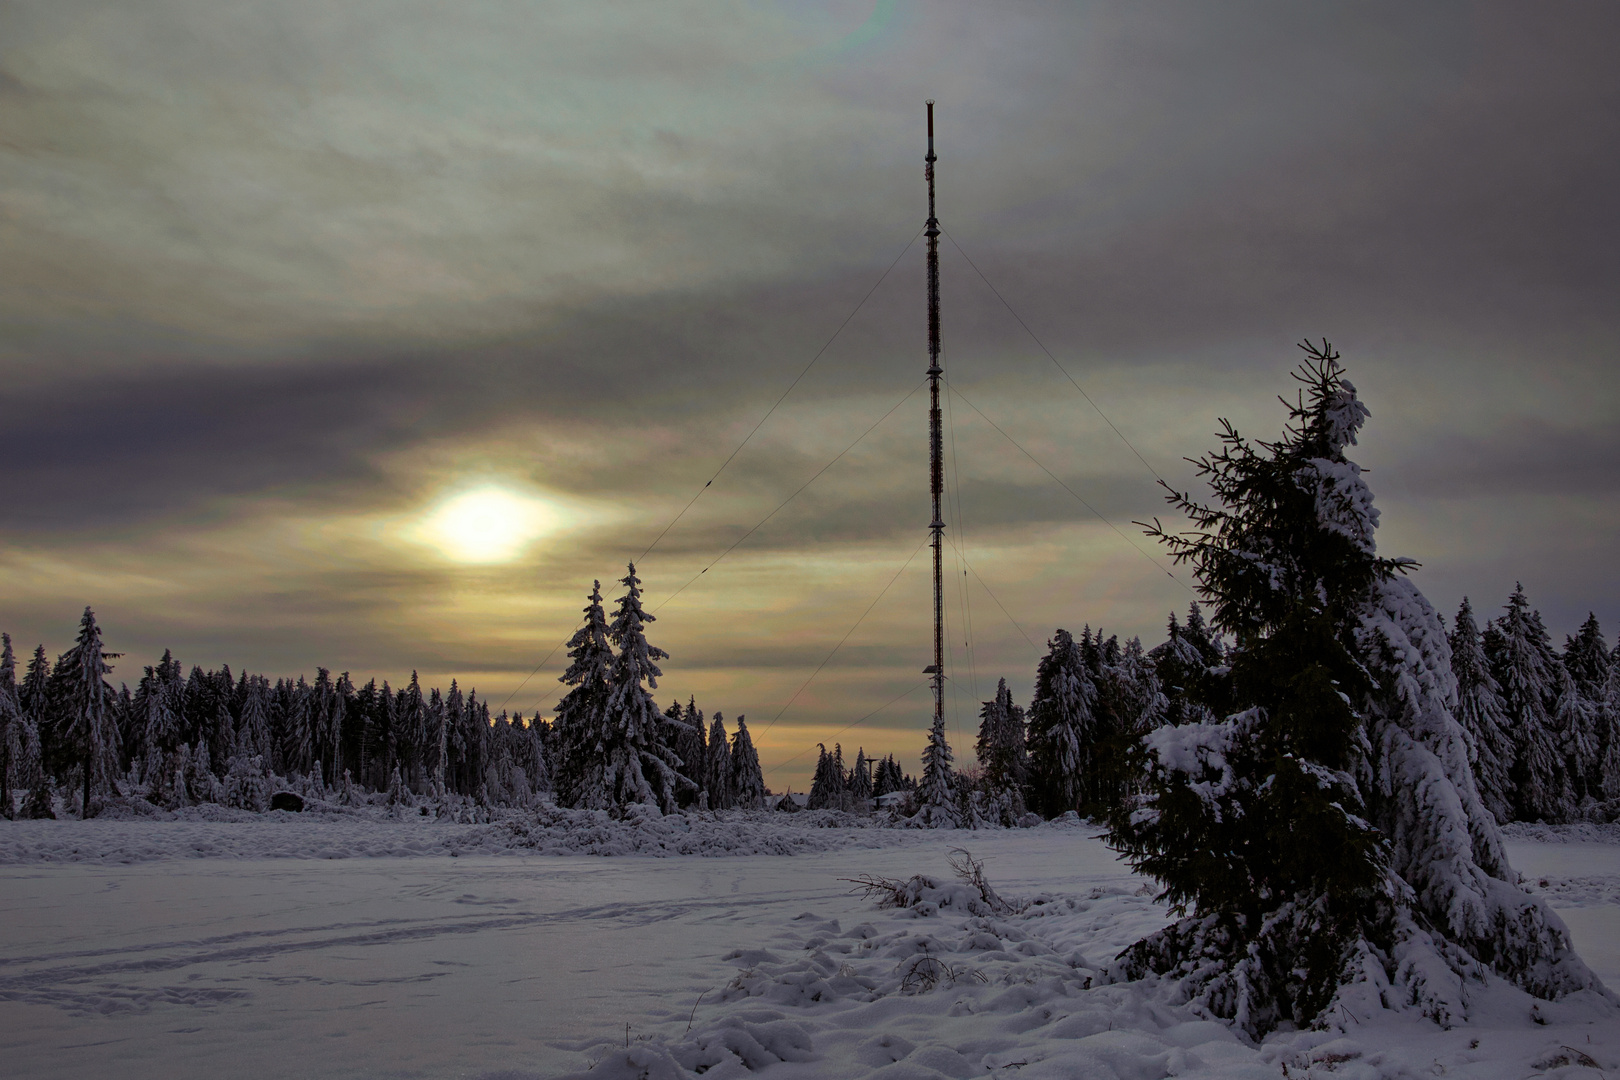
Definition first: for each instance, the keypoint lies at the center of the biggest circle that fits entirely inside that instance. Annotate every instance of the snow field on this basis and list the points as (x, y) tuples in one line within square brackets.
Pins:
[(344, 947), (951, 988)]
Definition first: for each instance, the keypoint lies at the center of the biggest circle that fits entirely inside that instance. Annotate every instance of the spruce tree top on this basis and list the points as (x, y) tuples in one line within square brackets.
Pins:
[(588, 649), (1292, 518), (637, 660)]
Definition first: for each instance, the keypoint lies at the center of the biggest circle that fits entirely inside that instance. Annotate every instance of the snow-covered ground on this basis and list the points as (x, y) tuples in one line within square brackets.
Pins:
[(331, 946)]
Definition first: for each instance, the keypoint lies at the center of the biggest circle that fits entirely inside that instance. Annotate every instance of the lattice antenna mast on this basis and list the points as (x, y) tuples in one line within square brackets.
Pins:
[(936, 458)]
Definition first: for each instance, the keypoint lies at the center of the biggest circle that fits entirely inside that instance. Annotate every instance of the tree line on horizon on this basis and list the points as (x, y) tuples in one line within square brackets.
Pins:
[(1543, 724), (1543, 729), (67, 737)]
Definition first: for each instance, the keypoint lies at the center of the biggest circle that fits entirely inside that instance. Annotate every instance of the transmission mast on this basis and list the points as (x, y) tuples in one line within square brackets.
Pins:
[(936, 461)]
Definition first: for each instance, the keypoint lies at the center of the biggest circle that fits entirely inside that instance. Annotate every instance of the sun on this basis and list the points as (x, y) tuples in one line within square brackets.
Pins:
[(489, 524)]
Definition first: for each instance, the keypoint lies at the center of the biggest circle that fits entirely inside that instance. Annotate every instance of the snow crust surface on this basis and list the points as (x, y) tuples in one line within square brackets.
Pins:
[(337, 946)]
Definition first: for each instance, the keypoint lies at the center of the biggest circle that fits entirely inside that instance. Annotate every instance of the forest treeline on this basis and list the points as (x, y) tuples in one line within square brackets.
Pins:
[(176, 739), (1543, 725)]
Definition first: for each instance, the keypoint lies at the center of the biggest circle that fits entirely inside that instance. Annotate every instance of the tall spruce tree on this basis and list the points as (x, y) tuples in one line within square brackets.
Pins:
[(1480, 712), (1003, 760), (827, 785), (85, 728), (579, 716), (747, 779), (10, 727), (631, 764), (1061, 725), (1586, 655), (1586, 658), (690, 743), (1609, 767), (717, 773), (860, 782), (1328, 836), (1526, 668), (936, 793)]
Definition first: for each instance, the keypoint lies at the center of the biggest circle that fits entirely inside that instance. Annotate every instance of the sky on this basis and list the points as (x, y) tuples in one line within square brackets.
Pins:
[(368, 335)]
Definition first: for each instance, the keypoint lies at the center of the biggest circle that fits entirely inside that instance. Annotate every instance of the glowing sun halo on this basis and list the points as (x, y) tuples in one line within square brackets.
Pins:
[(488, 524)]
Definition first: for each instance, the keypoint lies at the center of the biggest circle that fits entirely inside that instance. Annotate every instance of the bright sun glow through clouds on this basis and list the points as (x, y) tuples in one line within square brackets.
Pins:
[(489, 524)]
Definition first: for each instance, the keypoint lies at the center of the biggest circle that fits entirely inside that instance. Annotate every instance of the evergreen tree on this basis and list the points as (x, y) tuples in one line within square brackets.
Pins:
[(1526, 669), (1002, 758), (886, 778), (1328, 835), (610, 733), (411, 727), (1575, 732), (253, 730), (578, 724), (438, 745), (937, 793), (827, 785), (1061, 727), (247, 787), (83, 704), (298, 740), (747, 779), (687, 737), (1586, 655), (717, 774), (1131, 700), (455, 722), (335, 749), (639, 768), (860, 782), (1609, 716), (1480, 712), (10, 727)]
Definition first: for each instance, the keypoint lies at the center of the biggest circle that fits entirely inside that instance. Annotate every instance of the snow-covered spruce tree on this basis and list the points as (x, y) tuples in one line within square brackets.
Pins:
[(253, 728), (1526, 668), (827, 785), (685, 733), (438, 744), (625, 760), (247, 786), (717, 771), (455, 740), (10, 727), (1060, 724), (1586, 659), (577, 723), (887, 777), (1328, 837), (1586, 655), (860, 782), (936, 794), (1575, 731), (159, 699), (1191, 668), (84, 729), (1609, 766), (1003, 761), (747, 779), (1479, 711), (645, 767), (1130, 697)]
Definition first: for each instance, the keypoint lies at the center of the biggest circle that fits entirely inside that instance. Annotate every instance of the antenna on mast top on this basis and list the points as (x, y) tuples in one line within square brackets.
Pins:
[(936, 457)]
